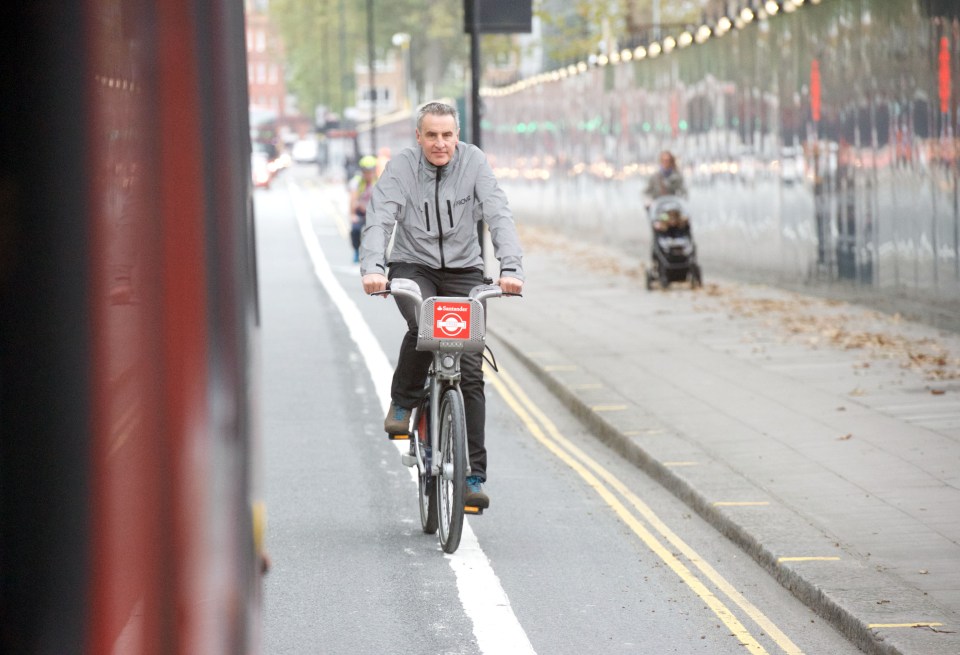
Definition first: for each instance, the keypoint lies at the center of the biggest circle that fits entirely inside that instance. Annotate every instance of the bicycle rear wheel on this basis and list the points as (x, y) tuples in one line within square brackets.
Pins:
[(451, 483), (426, 483)]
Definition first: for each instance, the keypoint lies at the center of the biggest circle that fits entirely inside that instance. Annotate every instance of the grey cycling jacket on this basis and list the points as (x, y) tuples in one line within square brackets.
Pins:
[(435, 211)]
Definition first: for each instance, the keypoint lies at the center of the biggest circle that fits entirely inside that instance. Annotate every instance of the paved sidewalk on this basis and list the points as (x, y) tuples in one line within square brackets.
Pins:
[(800, 428)]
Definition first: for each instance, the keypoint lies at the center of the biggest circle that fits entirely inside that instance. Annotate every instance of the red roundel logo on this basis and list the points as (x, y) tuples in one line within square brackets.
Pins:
[(451, 320)]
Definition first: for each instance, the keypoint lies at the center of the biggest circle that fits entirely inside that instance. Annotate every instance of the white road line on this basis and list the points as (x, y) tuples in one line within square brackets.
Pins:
[(377, 363), (484, 601)]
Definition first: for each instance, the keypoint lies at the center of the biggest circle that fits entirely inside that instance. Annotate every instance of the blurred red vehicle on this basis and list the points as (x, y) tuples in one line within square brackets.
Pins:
[(129, 504)]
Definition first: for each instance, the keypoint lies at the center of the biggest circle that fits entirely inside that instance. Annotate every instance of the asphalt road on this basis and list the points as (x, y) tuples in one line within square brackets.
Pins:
[(579, 553)]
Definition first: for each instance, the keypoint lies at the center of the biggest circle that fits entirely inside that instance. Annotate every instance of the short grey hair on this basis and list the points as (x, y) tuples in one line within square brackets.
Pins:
[(438, 109)]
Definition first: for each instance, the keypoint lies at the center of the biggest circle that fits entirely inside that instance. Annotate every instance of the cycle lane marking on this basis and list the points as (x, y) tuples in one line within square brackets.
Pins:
[(580, 462), (495, 626)]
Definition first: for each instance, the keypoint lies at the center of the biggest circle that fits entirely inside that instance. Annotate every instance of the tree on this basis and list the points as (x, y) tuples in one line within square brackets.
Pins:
[(326, 40), (570, 33), (316, 52)]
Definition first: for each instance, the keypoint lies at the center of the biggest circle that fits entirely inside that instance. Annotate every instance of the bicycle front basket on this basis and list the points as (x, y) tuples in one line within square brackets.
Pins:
[(451, 325)]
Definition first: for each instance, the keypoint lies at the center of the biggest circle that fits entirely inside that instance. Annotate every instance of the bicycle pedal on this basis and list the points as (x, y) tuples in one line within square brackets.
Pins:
[(408, 460), (475, 511), (398, 437)]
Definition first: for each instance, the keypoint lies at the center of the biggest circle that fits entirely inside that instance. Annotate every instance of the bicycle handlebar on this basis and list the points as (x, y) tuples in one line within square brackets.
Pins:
[(409, 289), (454, 323)]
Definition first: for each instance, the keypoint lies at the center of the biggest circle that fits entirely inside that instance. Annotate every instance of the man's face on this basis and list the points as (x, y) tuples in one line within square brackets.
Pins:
[(438, 136), (665, 161)]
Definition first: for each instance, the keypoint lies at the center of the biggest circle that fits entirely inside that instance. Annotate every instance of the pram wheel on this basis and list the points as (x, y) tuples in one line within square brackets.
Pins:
[(696, 279), (648, 274), (664, 277)]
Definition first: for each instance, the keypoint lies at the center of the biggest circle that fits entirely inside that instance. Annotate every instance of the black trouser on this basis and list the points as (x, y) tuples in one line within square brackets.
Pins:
[(356, 228), (412, 365)]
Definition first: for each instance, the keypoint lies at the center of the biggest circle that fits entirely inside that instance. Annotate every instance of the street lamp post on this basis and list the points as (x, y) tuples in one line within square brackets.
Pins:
[(656, 20), (475, 74), (371, 56), (402, 41)]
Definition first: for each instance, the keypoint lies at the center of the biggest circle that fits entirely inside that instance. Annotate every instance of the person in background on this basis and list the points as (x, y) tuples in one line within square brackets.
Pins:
[(430, 198), (361, 190), (667, 181)]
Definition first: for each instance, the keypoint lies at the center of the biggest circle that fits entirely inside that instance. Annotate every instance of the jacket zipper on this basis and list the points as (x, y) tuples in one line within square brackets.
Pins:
[(426, 213), (450, 214), (436, 197)]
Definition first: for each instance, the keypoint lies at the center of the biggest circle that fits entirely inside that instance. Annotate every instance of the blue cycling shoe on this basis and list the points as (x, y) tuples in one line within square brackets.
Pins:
[(475, 496), (397, 421)]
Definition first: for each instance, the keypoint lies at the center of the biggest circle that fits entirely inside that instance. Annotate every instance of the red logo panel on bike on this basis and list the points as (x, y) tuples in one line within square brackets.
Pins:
[(451, 320)]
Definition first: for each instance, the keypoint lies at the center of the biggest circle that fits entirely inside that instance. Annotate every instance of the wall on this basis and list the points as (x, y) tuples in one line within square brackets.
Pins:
[(854, 194)]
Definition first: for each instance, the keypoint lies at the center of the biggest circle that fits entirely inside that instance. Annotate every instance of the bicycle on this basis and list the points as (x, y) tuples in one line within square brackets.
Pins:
[(448, 327)]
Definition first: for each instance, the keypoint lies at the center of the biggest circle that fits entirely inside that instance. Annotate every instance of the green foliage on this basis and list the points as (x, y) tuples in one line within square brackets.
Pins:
[(570, 35), (574, 29), (326, 40), (320, 40)]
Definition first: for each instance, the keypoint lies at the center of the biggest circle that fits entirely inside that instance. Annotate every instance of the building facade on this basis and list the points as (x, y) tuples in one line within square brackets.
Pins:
[(265, 56)]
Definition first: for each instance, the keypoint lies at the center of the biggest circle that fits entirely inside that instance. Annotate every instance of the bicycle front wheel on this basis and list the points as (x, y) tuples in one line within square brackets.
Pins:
[(426, 483), (451, 483)]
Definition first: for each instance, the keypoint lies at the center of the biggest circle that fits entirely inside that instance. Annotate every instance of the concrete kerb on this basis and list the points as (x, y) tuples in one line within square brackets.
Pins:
[(813, 596)]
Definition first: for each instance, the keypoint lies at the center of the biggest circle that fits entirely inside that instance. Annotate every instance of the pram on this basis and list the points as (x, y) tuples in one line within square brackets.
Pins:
[(673, 252)]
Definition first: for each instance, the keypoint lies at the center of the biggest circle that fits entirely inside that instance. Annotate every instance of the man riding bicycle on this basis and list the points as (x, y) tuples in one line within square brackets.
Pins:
[(432, 197)]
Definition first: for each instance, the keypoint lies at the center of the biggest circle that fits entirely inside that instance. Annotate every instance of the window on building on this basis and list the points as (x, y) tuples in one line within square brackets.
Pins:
[(380, 95), (261, 73), (273, 76), (261, 40)]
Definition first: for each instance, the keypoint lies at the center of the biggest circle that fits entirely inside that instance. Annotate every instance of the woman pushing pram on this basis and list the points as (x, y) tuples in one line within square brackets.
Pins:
[(673, 252)]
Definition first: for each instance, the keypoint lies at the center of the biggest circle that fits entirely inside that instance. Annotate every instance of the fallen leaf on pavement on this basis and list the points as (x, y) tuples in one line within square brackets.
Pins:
[(817, 324), (845, 437)]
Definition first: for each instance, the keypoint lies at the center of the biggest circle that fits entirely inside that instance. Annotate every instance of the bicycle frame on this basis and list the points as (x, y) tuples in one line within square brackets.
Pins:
[(448, 327)]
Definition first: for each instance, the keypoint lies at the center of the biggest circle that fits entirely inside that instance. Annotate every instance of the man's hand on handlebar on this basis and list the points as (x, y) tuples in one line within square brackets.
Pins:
[(374, 282), (510, 284)]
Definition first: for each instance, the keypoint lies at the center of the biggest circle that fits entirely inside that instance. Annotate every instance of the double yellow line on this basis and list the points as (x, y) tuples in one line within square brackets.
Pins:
[(612, 490)]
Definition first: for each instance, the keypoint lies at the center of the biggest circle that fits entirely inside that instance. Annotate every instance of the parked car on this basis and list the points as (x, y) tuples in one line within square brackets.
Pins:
[(791, 165), (261, 170), (305, 151)]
